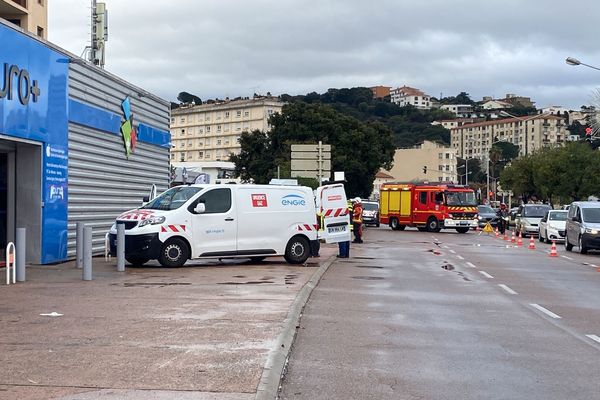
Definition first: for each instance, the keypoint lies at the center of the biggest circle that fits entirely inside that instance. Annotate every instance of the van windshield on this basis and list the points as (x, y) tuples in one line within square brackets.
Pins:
[(535, 211), (557, 216), (461, 199), (591, 215), (173, 198)]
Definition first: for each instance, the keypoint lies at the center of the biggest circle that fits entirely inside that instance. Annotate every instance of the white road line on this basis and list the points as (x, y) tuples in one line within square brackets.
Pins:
[(469, 264), (594, 337), (460, 257), (507, 289), (452, 251), (568, 258), (446, 247), (545, 311), (486, 274), (593, 266)]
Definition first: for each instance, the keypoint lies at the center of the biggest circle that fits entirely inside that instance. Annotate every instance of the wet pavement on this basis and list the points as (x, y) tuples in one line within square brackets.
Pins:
[(203, 331), (416, 315)]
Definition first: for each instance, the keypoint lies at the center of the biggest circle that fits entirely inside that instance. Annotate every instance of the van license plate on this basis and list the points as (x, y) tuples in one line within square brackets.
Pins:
[(336, 229)]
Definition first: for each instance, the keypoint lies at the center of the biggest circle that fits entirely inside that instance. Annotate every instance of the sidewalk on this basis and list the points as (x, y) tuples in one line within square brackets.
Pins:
[(203, 331)]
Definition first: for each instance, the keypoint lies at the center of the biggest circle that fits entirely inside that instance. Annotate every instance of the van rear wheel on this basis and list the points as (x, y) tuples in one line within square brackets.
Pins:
[(297, 250), (174, 253)]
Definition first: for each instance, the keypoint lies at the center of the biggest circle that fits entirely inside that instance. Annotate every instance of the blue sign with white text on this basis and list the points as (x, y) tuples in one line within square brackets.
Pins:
[(34, 106)]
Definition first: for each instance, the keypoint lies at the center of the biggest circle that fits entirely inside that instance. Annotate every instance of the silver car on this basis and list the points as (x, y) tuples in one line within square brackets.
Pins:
[(528, 218), (583, 226)]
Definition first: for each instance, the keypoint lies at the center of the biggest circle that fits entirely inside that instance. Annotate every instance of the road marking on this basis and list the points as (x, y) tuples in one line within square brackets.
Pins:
[(567, 257), (594, 337), (486, 274), (507, 289), (469, 264), (460, 257), (545, 311), (452, 251), (446, 247)]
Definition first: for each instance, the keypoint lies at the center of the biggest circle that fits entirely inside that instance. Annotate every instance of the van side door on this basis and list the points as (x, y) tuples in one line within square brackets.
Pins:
[(572, 228), (214, 232), (421, 207)]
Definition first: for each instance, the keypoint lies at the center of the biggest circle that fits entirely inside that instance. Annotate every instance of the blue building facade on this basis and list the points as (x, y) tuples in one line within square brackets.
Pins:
[(76, 144)]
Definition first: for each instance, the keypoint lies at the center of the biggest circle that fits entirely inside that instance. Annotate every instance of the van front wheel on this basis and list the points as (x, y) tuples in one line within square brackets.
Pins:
[(297, 250), (174, 253)]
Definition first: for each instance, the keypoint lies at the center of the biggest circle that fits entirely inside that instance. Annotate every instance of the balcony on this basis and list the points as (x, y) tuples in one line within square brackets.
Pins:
[(13, 8)]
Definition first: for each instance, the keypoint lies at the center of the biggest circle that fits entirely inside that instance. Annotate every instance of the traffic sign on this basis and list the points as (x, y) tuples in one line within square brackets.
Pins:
[(311, 160)]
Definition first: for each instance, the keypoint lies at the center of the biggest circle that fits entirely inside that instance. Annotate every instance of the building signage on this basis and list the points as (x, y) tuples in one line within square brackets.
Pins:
[(128, 130), (17, 82)]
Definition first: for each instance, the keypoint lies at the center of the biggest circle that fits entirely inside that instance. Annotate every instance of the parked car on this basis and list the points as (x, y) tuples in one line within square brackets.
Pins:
[(371, 213), (528, 218), (583, 226), (552, 226), (486, 214)]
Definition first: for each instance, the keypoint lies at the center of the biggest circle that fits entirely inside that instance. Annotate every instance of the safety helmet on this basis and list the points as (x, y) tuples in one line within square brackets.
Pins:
[(356, 200)]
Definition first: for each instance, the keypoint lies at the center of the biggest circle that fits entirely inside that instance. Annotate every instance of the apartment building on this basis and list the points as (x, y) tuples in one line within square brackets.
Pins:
[(211, 132), (460, 110), (404, 96), (30, 15), (454, 123), (427, 161), (530, 133), (380, 92)]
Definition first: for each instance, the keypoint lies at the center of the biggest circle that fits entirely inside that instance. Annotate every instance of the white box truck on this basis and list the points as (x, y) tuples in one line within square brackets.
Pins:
[(220, 221)]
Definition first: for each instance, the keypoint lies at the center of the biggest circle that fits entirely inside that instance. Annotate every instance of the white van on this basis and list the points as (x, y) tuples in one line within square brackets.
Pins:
[(332, 206), (221, 221)]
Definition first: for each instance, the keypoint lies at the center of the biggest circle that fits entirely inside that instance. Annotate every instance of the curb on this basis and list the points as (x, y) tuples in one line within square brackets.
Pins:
[(268, 386)]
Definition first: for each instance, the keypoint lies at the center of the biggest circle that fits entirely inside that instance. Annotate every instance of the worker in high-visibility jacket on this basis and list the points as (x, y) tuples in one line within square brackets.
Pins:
[(357, 220)]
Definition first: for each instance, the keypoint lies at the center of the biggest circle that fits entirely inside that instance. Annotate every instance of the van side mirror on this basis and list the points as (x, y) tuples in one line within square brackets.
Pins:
[(200, 208), (146, 199)]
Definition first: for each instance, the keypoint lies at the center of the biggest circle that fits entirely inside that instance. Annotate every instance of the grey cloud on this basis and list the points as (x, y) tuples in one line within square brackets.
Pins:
[(218, 48)]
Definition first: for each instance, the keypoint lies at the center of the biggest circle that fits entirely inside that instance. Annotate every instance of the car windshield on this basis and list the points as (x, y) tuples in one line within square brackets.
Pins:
[(557, 216), (370, 206), (173, 198), (485, 210), (535, 211), (591, 215), (461, 199)]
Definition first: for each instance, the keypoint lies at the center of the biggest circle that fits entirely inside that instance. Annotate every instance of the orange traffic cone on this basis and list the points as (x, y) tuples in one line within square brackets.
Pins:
[(520, 241), (531, 244), (496, 232), (505, 237), (512, 238), (553, 252)]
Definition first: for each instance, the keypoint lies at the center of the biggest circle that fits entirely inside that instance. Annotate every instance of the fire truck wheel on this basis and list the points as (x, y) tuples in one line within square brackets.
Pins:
[(433, 225), (462, 230), (174, 253), (394, 224)]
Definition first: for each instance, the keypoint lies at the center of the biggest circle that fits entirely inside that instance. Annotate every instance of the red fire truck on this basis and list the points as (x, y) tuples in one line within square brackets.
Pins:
[(428, 206)]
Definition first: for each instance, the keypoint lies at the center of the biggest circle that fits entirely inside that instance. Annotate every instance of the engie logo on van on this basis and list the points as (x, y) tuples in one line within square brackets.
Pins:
[(293, 200)]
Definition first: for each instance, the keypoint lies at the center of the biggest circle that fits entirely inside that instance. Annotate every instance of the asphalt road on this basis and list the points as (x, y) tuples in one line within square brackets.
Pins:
[(416, 315)]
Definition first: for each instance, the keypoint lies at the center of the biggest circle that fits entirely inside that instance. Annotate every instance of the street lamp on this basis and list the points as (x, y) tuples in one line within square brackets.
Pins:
[(574, 62)]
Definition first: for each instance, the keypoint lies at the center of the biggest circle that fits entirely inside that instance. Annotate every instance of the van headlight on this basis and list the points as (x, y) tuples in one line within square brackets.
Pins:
[(592, 231), (152, 221)]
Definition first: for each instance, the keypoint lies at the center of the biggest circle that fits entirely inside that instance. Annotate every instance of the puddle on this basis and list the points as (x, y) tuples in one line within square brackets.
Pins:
[(448, 267), (368, 278), (434, 251), (159, 284), (239, 276)]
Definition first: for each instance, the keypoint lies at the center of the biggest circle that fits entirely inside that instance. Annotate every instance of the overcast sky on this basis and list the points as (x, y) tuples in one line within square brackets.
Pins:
[(219, 48)]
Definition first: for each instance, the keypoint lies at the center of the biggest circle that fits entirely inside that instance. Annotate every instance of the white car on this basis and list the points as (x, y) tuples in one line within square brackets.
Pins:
[(552, 226)]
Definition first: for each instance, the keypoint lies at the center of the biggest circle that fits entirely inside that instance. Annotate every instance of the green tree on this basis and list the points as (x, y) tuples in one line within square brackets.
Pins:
[(255, 162)]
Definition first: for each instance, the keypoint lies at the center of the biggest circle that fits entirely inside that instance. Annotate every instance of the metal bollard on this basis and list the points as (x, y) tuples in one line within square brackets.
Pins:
[(20, 247), (87, 253), (120, 247), (79, 245)]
